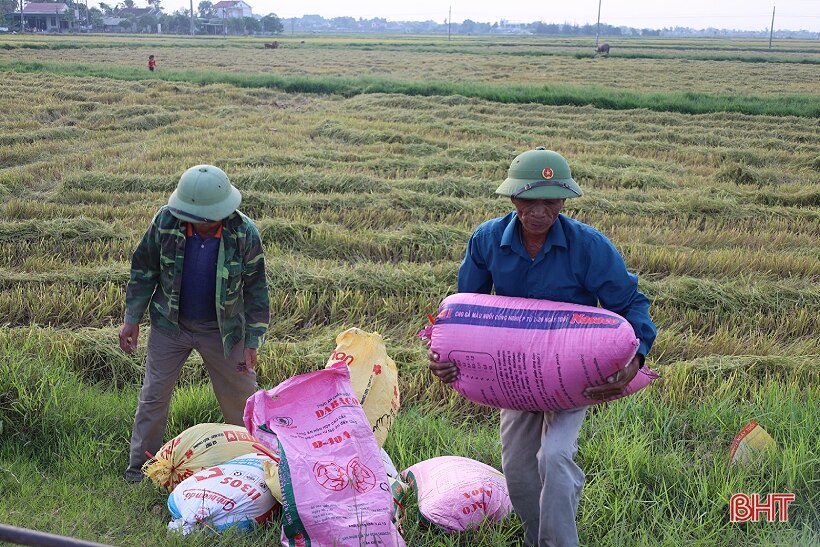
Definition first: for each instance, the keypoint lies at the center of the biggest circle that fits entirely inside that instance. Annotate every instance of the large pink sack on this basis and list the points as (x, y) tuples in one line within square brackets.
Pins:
[(335, 489), (458, 493), (528, 354)]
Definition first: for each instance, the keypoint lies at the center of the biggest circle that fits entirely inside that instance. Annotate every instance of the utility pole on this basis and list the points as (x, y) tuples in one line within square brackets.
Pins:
[(598, 32), (87, 18), (449, 22), (22, 21), (192, 17), (771, 30)]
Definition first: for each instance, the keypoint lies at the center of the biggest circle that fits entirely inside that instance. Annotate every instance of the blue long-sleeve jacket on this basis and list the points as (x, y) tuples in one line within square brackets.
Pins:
[(576, 264)]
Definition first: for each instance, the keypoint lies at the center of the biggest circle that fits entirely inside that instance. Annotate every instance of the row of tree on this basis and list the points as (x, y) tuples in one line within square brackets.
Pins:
[(207, 18), (317, 23)]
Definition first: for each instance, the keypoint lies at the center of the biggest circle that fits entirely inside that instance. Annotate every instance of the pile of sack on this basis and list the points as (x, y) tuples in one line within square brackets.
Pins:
[(312, 449)]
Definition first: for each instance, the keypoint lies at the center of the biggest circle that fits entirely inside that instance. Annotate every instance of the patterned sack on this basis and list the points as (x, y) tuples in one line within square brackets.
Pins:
[(528, 354), (373, 374), (233, 494), (335, 489), (458, 494), (749, 442), (198, 447)]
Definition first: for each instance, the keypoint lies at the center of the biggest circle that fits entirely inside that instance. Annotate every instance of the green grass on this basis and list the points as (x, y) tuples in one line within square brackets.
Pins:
[(804, 105), (641, 447), (622, 50), (366, 176)]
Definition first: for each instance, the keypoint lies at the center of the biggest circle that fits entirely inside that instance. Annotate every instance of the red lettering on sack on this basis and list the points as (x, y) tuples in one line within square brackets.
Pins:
[(475, 506), (232, 436), (342, 356), (336, 403), (585, 319), (478, 492), (209, 474)]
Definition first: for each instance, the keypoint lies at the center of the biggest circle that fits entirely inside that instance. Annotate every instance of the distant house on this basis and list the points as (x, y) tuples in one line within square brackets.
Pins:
[(139, 12), (48, 17), (232, 9), (137, 19), (111, 23)]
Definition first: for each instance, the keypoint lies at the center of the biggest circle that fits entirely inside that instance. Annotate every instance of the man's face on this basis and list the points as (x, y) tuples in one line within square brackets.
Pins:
[(537, 215), (207, 227)]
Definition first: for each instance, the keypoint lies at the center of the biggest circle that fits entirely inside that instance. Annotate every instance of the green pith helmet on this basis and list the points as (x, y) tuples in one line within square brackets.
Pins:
[(539, 174), (204, 194)]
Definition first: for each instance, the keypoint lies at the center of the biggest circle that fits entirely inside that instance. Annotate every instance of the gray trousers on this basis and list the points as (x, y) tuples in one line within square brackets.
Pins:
[(167, 353), (537, 451)]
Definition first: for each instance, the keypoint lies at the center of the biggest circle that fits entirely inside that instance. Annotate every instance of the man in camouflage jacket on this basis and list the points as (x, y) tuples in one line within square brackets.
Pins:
[(200, 269)]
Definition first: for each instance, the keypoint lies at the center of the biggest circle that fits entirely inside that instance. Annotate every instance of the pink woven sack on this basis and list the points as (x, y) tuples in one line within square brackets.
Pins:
[(335, 489), (528, 354), (458, 494)]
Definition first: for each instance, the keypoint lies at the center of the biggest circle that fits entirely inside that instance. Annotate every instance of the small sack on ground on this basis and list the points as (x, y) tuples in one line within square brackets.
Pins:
[(373, 374), (198, 447), (458, 494), (529, 354), (750, 441), (233, 494)]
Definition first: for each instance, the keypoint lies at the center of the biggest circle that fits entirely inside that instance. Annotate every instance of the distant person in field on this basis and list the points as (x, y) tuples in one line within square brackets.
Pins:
[(152, 63), (536, 252), (200, 270)]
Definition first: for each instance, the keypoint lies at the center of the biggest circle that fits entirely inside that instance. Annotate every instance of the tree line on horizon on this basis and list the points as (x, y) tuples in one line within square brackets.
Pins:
[(179, 21)]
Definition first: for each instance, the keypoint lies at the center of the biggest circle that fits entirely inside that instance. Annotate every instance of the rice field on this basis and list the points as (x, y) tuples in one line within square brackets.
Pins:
[(367, 162)]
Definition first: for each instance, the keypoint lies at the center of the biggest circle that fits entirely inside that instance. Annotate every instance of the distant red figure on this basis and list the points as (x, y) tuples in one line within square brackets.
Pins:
[(152, 63)]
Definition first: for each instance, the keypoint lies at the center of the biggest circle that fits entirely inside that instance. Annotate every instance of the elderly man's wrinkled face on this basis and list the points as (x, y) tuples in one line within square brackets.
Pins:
[(207, 229), (537, 215)]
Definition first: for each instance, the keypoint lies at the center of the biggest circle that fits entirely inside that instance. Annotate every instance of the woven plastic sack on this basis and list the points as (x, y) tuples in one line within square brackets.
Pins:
[(334, 486), (198, 447), (750, 441), (528, 354), (374, 376), (232, 494), (458, 494)]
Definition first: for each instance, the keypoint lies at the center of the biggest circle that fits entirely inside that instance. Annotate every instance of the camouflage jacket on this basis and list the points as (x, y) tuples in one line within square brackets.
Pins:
[(242, 303)]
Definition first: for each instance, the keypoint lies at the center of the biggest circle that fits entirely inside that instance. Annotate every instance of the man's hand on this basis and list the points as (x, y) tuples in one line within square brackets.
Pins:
[(250, 358), (129, 336), (616, 383), (446, 372)]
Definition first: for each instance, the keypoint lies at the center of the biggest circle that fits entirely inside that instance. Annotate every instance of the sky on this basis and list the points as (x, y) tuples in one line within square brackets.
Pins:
[(730, 14)]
